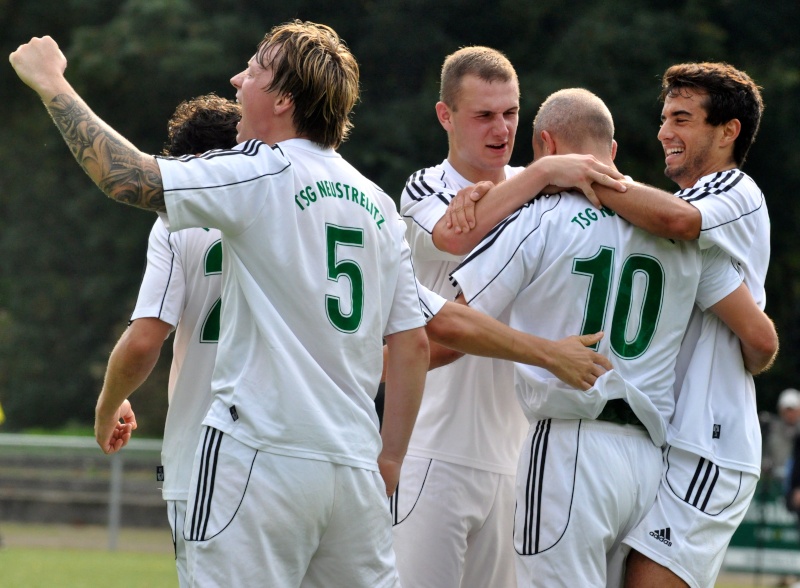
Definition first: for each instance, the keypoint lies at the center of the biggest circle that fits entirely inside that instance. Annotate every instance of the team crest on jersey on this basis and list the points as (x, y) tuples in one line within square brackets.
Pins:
[(716, 432)]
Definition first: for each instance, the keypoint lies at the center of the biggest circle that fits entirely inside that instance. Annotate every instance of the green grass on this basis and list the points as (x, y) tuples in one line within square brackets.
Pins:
[(65, 568)]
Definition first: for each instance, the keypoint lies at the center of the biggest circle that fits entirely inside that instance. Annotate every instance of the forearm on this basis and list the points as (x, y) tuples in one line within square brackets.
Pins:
[(117, 167), (121, 171), (499, 202), (657, 212), (755, 330), (128, 367), (407, 364), (468, 331)]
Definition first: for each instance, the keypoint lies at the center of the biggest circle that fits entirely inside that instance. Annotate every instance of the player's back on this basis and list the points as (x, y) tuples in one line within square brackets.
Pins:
[(312, 260), (568, 268)]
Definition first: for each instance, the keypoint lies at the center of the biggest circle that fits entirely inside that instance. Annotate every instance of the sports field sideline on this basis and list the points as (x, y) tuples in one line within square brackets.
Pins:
[(23, 538)]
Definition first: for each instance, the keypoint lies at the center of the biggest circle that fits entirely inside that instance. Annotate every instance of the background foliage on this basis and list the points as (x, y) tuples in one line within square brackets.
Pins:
[(72, 261)]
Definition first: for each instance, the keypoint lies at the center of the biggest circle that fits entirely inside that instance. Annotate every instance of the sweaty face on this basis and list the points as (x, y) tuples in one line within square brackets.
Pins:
[(257, 103), (691, 145), (482, 127)]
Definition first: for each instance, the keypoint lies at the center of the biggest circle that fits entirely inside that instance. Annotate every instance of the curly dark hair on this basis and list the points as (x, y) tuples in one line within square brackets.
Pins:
[(730, 93), (201, 124)]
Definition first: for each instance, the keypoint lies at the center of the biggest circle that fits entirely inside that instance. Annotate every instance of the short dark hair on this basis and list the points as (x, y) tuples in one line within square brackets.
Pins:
[(313, 66), (201, 124), (730, 93), (485, 63)]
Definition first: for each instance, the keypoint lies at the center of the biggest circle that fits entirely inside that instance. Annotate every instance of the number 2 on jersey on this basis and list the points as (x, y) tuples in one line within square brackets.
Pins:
[(212, 265), (599, 269), (346, 237)]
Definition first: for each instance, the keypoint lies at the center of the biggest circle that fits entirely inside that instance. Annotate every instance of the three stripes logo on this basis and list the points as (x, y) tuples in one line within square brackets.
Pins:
[(702, 485), (662, 535), (205, 485), (531, 533)]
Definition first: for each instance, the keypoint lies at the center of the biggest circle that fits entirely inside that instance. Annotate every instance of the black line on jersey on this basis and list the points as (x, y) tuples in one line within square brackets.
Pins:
[(417, 222), (714, 186), (710, 488), (169, 278), (418, 189), (422, 306), (721, 183), (741, 216), (493, 235), (215, 462), (258, 144)]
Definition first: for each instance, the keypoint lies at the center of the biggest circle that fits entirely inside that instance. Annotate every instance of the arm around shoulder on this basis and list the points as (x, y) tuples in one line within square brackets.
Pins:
[(656, 211), (755, 329)]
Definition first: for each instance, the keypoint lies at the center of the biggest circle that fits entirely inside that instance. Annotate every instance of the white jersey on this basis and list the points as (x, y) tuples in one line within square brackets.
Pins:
[(566, 268), (315, 273), (715, 412), (181, 286), (469, 415)]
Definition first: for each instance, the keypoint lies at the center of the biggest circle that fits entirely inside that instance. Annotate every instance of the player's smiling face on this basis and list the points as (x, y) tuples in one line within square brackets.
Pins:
[(692, 147), (258, 105), (481, 128)]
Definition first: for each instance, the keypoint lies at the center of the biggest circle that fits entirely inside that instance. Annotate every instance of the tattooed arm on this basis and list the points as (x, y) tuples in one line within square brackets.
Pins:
[(123, 172)]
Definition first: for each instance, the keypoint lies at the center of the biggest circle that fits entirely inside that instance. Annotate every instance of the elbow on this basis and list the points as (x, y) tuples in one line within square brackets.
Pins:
[(764, 348), (683, 227), (454, 244), (442, 330), (416, 344)]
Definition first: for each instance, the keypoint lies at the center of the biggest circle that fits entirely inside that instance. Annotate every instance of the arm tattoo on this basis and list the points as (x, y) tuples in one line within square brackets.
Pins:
[(121, 171)]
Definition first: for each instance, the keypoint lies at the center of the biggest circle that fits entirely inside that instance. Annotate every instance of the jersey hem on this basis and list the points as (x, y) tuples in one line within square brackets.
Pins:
[(718, 460), (294, 452), (175, 495), (657, 557), (477, 465)]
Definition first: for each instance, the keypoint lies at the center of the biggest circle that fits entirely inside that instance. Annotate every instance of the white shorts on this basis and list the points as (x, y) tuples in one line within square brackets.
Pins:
[(581, 487), (176, 513), (453, 526), (698, 507), (261, 519)]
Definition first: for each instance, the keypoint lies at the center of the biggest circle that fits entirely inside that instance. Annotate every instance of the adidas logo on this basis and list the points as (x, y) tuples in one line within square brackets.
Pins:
[(663, 536)]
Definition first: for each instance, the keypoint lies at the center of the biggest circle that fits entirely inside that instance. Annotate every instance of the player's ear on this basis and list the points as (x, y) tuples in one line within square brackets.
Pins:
[(730, 131), (283, 103), (613, 149), (444, 115), (549, 143)]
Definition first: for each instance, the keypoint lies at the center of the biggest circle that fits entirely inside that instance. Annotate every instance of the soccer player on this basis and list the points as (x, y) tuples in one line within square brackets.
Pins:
[(709, 120), (591, 462), (180, 291), (290, 480), (454, 510)]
